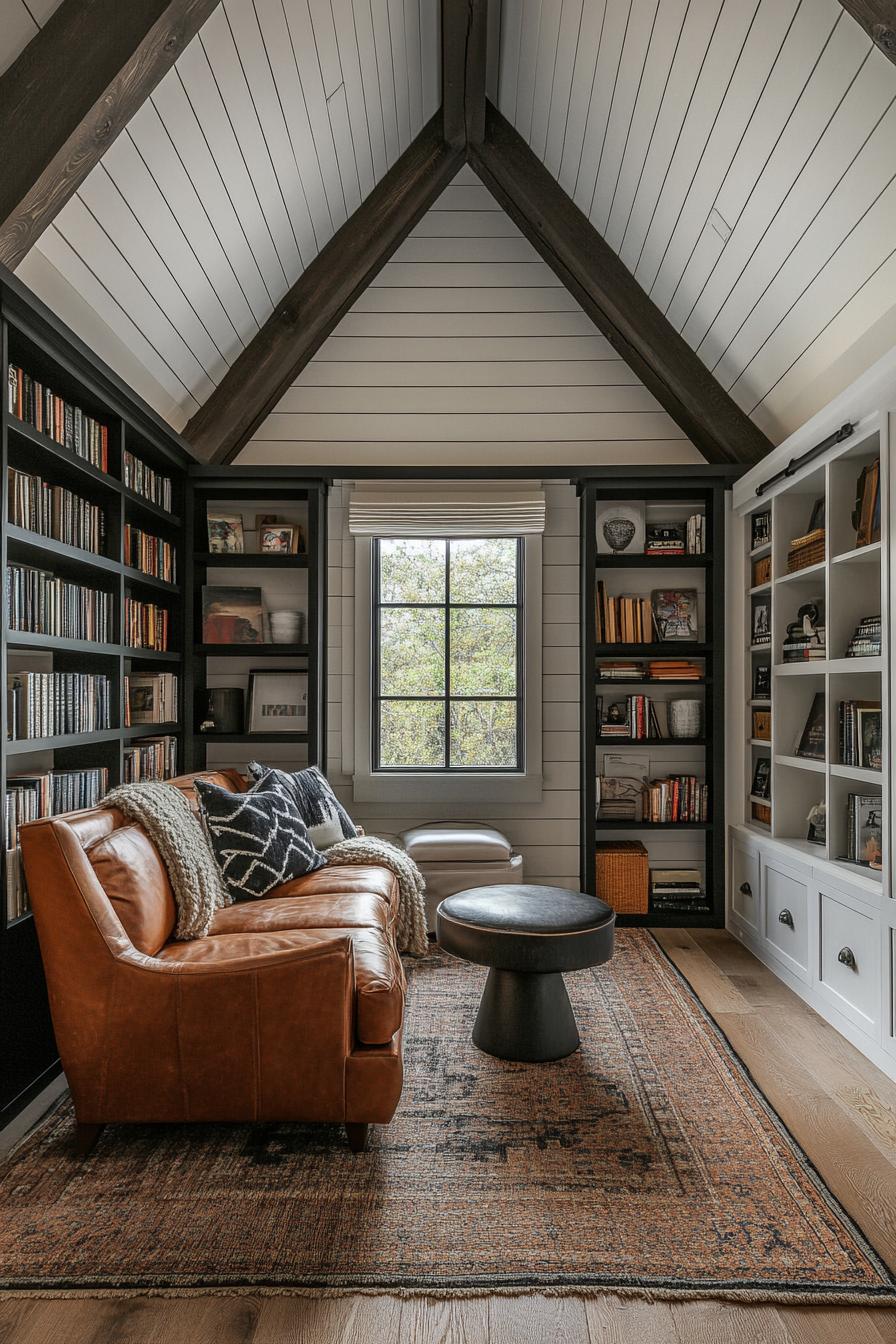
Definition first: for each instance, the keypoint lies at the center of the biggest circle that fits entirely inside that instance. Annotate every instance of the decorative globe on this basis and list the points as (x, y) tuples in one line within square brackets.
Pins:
[(618, 533)]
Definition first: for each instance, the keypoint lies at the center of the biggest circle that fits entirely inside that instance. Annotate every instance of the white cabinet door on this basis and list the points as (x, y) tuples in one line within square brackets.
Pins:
[(785, 899), (745, 889), (849, 959)]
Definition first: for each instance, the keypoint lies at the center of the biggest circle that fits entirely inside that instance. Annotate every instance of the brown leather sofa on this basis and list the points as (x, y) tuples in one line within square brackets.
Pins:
[(290, 1010)]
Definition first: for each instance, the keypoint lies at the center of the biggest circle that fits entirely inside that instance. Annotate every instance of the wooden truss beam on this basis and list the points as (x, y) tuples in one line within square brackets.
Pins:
[(612, 297), (324, 292), (878, 18), (70, 93), (464, 42)]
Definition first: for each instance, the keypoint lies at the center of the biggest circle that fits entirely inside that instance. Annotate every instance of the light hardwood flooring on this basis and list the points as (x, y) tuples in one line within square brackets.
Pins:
[(838, 1105)]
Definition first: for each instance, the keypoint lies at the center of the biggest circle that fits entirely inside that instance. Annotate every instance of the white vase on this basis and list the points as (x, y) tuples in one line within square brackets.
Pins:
[(287, 627), (685, 717)]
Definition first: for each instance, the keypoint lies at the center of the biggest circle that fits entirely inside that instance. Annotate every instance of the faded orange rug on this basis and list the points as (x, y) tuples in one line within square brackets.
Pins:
[(647, 1162)]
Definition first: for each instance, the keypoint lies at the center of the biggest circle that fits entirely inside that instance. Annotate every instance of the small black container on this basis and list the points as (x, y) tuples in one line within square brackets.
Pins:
[(221, 709)]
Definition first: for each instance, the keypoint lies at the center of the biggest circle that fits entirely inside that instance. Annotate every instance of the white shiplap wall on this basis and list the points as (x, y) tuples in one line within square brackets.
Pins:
[(20, 21), (274, 123), (545, 832), (739, 157), (466, 349)]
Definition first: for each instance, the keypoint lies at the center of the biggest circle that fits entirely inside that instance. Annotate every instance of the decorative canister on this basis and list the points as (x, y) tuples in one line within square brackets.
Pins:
[(685, 718), (288, 627)]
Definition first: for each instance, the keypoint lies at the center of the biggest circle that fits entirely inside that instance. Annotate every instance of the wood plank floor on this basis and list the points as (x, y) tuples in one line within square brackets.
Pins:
[(842, 1110)]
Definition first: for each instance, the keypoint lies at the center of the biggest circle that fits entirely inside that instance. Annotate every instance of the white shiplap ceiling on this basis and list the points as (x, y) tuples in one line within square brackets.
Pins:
[(739, 155)]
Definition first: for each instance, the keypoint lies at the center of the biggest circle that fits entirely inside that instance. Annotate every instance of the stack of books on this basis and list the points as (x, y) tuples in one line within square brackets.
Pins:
[(803, 645), (679, 890), (695, 534), (145, 625), (864, 829), (42, 604), (150, 697), (152, 759), (865, 643), (620, 671), (29, 797), (144, 481), (664, 541), (68, 425), (674, 669), (149, 554), (54, 512), (678, 799), (622, 620), (48, 704), (634, 717)]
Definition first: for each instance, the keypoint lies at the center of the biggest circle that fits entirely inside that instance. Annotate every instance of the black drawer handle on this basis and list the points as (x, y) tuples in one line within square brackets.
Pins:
[(846, 957), (746, 889), (785, 917)]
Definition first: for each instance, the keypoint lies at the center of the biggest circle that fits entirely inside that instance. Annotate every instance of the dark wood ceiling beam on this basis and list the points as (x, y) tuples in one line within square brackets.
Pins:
[(464, 44), (612, 297), (878, 18), (70, 93), (324, 292)]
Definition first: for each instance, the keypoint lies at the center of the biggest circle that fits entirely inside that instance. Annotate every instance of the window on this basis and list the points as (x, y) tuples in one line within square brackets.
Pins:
[(447, 646)]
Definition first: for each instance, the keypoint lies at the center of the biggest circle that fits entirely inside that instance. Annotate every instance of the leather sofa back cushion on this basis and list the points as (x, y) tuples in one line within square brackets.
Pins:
[(133, 876)]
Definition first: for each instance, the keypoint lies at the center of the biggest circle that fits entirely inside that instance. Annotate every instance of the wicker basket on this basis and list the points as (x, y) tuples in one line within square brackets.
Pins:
[(622, 875), (806, 551)]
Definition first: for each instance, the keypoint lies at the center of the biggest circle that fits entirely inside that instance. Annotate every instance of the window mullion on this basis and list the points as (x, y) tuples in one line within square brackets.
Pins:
[(447, 687)]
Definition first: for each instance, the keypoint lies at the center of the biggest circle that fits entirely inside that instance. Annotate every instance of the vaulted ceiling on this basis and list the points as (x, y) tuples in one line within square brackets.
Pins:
[(737, 155)]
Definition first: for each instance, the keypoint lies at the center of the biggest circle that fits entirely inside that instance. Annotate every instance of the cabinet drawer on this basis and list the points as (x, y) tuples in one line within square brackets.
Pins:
[(745, 886), (785, 894), (849, 958)]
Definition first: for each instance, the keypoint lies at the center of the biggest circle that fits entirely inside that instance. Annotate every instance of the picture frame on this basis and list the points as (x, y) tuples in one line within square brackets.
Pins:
[(278, 701), (620, 527), (277, 538), (675, 614), (263, 521), (761, 786), (762, 681), (761, 622), (225, 533), (817, 516), (866, 516), (232, 615), (870, 735), (762, 725), (760, 529), (814, 735)]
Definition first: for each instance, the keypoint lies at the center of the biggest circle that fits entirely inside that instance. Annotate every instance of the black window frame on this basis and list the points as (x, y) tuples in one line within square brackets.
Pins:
[(446, 698)]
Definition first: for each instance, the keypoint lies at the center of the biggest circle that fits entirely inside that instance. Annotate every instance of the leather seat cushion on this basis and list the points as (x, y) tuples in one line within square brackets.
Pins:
[(456, 842), (379, 976), (133, 876)]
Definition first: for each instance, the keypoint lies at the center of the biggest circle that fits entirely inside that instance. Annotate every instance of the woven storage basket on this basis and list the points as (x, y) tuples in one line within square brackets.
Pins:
[(622, 875), (806, 551)]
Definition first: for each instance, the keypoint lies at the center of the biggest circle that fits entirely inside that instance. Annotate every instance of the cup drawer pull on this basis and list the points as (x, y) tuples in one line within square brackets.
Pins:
[(846, 957), (785, 917)]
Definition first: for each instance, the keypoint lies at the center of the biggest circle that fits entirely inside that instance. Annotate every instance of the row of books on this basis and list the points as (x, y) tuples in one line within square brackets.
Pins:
[(150, 554), (865, 642), (677, 890), (153, 758), (864, 829), (43, 604), (622, 620), (48, 794), (860, 734), (37, 405), (680, 798), (52, 511), (146, 625), (634, 717), (150, 697), (140, 478), (45, 704), (656, 669)]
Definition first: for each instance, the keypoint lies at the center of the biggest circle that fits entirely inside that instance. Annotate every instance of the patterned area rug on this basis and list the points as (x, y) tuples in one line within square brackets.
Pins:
[(647, 1162)]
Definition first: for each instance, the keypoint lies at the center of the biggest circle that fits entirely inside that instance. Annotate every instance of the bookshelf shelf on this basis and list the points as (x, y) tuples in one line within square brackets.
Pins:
[(30, 548), (858, 773), (26, 639), (249, 560), (28, 745), (150, 655), (52, 450), (136, 576), (134, 501), (859, 555), (251, 650), (699, 846), (811, 572), (800, 763), (135, 731), (260, 738)]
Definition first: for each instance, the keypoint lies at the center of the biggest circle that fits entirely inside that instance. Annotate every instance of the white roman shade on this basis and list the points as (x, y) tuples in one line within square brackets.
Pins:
[(446, 513)]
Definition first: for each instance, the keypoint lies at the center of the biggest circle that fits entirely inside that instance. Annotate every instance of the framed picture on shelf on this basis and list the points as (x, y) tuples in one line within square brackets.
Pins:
[(762, 725), (870, 739), (278, 701), (812, 742), (760, 529), (675, 613), (232, 615), (762, 681), (816, 517), (225, 533), (277, 538), (761, 621), (762, 778), (620, 527), (866, 515), (265, 522)]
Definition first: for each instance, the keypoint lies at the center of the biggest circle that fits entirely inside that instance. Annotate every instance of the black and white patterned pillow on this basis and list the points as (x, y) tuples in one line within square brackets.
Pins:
[(320, 809), (258, 839)]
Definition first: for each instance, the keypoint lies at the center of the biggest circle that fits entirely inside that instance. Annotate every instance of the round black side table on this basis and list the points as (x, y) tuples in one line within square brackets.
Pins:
[(528, 936)]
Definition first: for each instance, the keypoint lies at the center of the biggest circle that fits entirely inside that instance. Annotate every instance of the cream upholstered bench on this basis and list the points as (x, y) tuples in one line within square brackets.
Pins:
[(455, 855)]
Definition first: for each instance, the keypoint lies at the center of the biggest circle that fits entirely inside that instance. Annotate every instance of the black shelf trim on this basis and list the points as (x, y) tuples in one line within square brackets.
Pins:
[(49, 547), (63, 454), (640, 561), (603, 824), (251, 650), (284, 738), (27, 639), (131, 497), (135, 731), (249, 560), (151, 655), (23, 746), (651, 741), (649, 681), (670, 649), (150, 581)]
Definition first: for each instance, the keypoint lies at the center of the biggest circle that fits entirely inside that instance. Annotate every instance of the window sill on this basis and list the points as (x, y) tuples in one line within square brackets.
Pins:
[(425, 788)]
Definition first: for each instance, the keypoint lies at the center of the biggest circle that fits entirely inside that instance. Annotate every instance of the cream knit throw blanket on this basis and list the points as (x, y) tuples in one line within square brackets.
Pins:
[(177, 834), (368, 849)]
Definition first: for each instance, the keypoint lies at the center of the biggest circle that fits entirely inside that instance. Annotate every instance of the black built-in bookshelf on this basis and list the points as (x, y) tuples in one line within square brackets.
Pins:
[(691, 489)]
